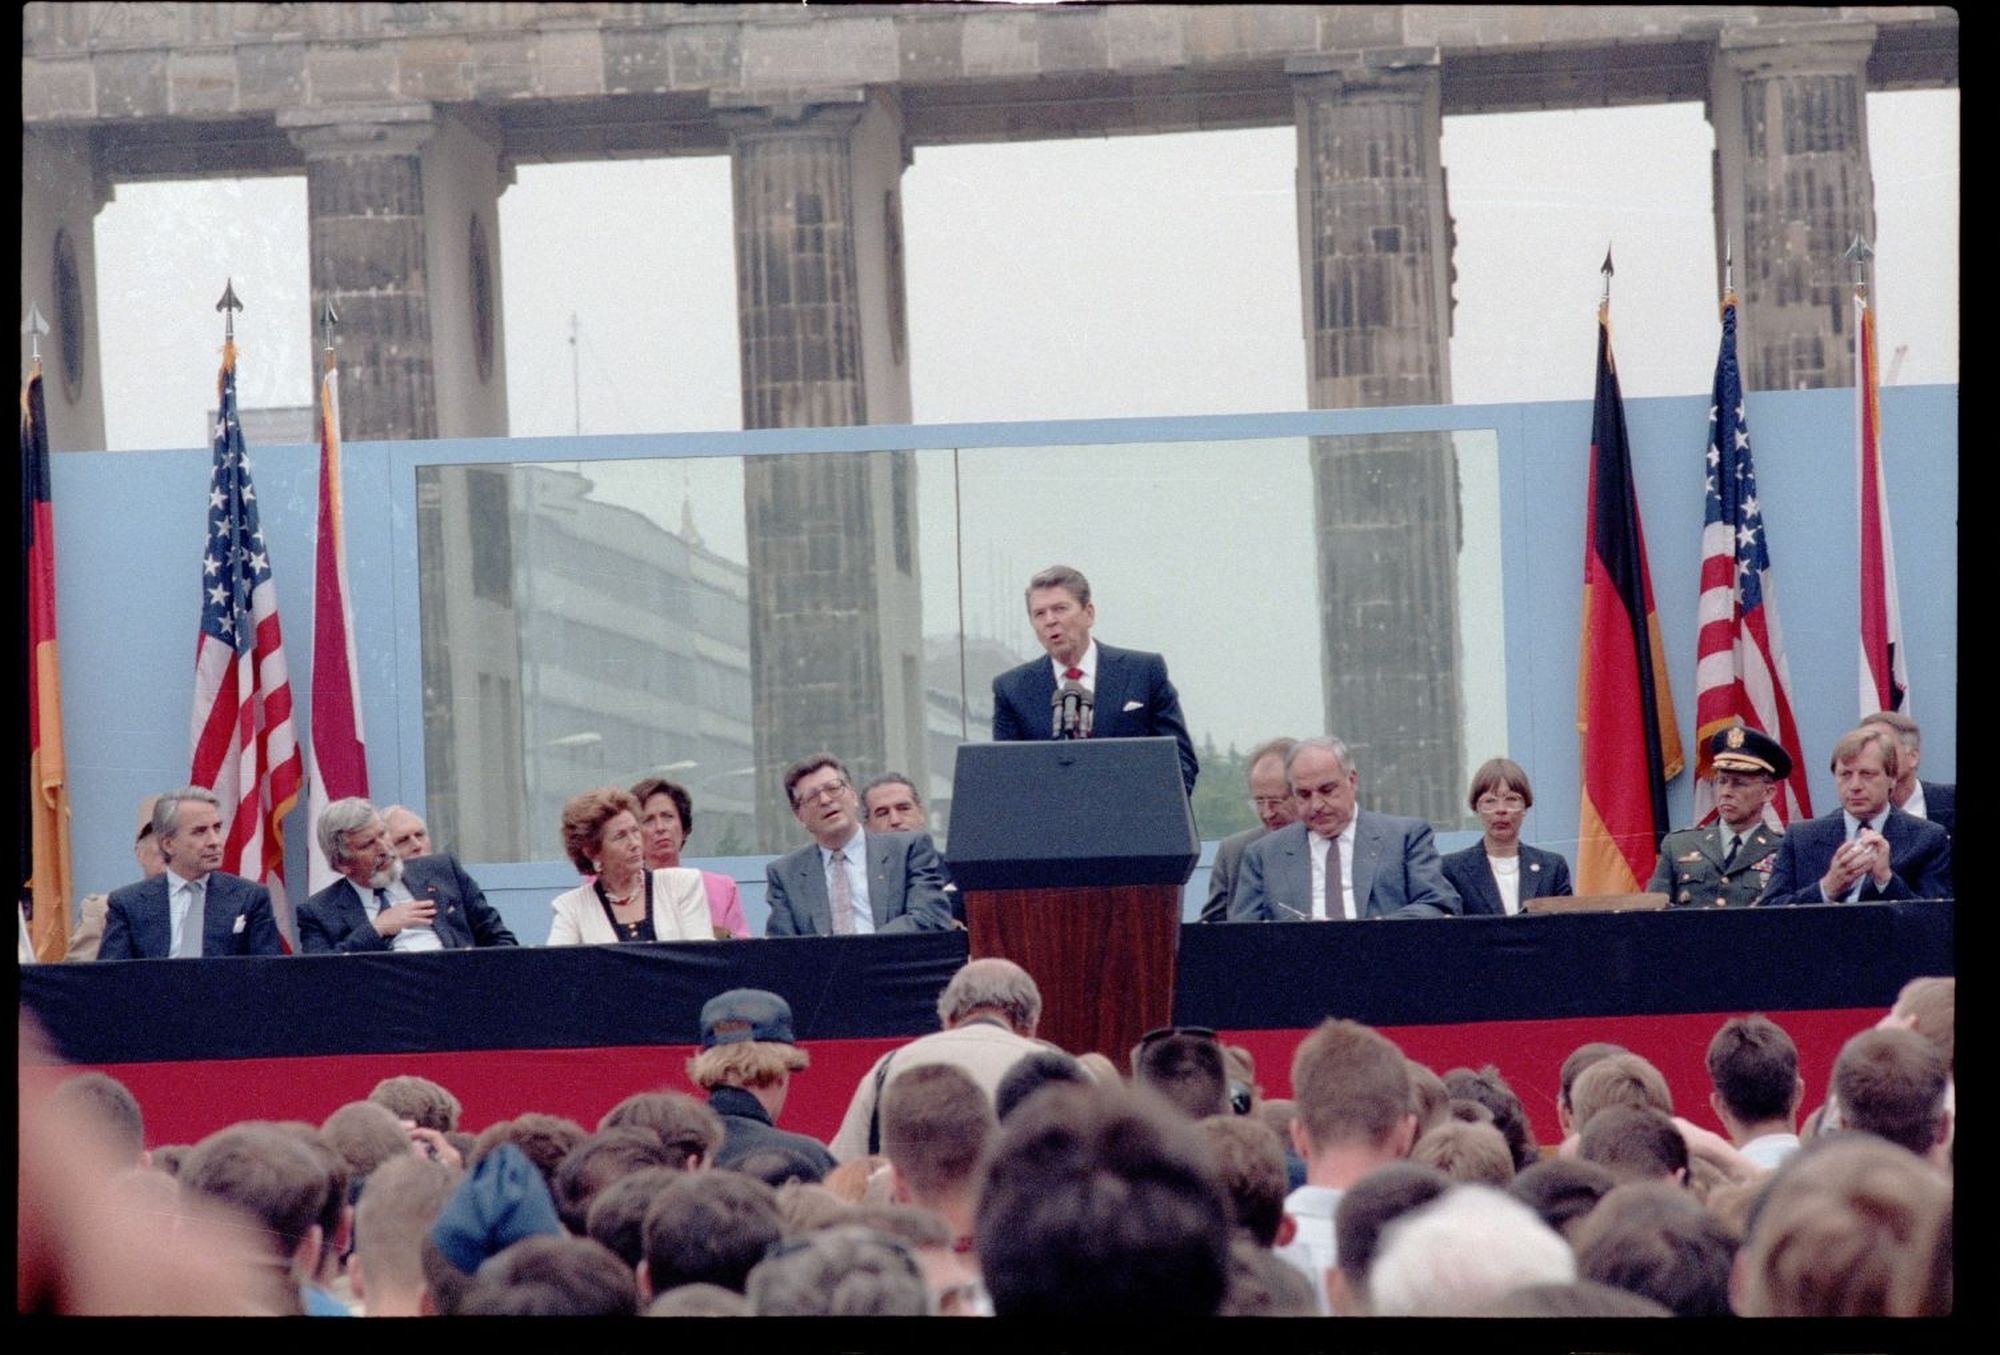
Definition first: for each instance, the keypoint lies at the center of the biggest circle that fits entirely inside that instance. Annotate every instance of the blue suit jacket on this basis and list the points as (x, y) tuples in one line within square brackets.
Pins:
[(333, 920), (1919, 860), (1544, 875), (1941, 804), (1125, 678), (1396, 873), (236, 920), (905, 888)]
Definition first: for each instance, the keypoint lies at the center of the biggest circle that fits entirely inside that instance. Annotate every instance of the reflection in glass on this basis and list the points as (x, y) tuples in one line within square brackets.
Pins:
[(591, 623)]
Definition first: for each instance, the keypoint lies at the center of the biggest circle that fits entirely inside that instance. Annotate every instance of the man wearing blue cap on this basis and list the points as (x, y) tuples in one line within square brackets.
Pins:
[(1728, 863), (746, 1064)]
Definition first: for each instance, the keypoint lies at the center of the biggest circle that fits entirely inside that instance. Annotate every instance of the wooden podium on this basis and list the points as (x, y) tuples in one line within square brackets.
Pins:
[(1071, 857)]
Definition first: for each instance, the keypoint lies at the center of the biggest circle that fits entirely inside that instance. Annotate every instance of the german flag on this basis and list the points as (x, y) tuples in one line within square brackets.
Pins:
[(47, 887), (1631, 747)]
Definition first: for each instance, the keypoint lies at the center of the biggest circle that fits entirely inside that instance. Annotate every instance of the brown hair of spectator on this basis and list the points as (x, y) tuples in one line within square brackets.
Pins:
[(1850, 744), (265, 1172), (545, 1139), (1031, 1073), (935, 1123), (699, 1300), (553, 1277), (1264, 1284), (168, 1157), (1618, 1080), (1100, 1202), (910, 1225), (617, 1214), (1250, 1161), (1573, 1065), (749, 1064), (778, 1164), (366, 1134), (1365, 1210), (1277, 1113), (445, 1285), (419, 1100), (1499, 773), (1656, 1241), (1584, 1298), (1930, 1006), (594, 1164), (1428, 1098), (397, 1208), (109, 1107), (1490, 1089), (1755, 1068), (1475, 1154), (806, 1205), (583, 820), (689, 1130), (647, 787), (340, 1179), (1891, 1083), (1351, 1085), (1849, 1226), (709, 1228), (1184, 1068), (1635, 1143), (1563, 1190)]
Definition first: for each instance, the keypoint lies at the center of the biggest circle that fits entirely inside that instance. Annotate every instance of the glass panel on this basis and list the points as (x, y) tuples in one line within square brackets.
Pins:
[(712, 619)]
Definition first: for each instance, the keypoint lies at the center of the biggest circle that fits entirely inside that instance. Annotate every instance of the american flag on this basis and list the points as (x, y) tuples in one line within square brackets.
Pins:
[(1740, 669), (244, 749)]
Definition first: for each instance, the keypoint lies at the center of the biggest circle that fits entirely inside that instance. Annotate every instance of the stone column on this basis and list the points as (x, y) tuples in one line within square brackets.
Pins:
[(1793, 188), (836, 634), (1374, 243), (62, 192)]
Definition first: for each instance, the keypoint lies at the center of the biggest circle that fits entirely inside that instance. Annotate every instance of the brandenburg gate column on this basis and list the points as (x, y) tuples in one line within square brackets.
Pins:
[(1375, 264)]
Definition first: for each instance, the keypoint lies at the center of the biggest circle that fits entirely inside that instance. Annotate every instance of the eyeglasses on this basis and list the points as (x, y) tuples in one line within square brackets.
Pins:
[(1507, 801), (1262, 803), (820, 792)]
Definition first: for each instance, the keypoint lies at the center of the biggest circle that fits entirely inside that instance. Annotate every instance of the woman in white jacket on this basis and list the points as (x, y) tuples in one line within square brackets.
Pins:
[(624, 902)]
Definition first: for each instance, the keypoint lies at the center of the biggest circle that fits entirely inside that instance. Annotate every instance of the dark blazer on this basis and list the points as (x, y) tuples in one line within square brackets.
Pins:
[(1690, 873), (334, 921), (1919, 860), (1941, 804), (1544, 875), (1396, 873), (236, 920), (1223, 874), (1132, 700), (905, 888), (747, 1128)]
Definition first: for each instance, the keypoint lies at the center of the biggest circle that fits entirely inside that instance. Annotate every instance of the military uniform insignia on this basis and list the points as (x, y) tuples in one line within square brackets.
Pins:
[(1735, 739), (1691, 856)]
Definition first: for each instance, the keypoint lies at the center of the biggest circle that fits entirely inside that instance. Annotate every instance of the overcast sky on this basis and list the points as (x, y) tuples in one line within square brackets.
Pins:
[(1149, 275)]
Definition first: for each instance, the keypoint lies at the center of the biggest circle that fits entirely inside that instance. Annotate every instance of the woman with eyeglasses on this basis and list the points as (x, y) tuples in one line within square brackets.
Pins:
[(622, 901), (1499, 874)]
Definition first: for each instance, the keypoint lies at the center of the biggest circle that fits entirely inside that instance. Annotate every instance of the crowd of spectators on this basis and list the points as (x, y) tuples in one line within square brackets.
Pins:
[(1036, 1184)]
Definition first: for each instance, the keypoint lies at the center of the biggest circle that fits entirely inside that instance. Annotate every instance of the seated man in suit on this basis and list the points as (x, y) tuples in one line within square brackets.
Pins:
[(1870, 850), (849, 882), (1335, 862), (1271, 797), (1933, 800), (890, 804), (1728, 863), (1119, 693), (192, 908), (386, 903)]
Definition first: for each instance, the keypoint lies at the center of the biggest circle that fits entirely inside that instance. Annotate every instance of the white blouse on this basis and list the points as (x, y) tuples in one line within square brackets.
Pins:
[(680, 912)]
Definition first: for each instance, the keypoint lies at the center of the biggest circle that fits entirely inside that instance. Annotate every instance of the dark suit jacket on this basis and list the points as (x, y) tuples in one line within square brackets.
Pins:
[(236, 920), (1941, 804), (905, 888), (333, 920), (1544, 875), (1395, 870), (1919, 860), (1132, 700), (1223, 874)]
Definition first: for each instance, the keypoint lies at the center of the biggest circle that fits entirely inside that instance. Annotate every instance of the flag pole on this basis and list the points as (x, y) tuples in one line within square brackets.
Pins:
[(229, 305), (327, 320), (1604, 301), (34, 326)]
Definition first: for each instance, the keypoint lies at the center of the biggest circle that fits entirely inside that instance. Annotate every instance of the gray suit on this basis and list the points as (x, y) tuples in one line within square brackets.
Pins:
[(905, 888), (1223, 874), (1396, 873)]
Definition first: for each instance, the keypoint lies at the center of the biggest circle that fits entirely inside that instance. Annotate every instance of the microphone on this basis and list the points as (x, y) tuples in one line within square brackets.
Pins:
[(1071, 706)]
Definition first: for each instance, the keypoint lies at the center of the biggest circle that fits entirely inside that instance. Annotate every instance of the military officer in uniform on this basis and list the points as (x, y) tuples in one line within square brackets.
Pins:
[(1728, 863)]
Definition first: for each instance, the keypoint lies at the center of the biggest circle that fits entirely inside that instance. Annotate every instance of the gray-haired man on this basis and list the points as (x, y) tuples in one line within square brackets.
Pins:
[(192, 908), (385, 903)]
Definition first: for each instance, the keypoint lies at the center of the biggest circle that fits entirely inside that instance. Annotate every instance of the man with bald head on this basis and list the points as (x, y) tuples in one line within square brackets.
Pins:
[(1271, 798), (1338, 861), (989, 1012), (408, 833)]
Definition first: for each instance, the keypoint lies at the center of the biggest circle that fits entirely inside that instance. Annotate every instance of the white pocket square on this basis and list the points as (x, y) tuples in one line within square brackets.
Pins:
[(241, 922), (1135, 705)]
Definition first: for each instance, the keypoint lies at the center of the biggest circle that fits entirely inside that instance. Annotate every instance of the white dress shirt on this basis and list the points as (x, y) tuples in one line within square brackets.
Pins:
[(1086, 663), (1915, 804), (1318, 847), (410, 938), (856, 866)]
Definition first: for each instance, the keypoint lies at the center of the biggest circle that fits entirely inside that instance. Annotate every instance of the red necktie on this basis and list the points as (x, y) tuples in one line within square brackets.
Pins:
[(1072, 674)]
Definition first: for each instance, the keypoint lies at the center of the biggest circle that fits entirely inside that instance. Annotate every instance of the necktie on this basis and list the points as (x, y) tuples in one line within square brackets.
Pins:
[(191, 927), (1729, 857), (1336, 897), (1072, 674), (381, 900), (843, 896)]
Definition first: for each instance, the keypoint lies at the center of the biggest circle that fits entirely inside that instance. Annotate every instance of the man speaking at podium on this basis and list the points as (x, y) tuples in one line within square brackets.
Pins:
[(1085, 690)]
